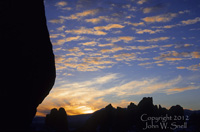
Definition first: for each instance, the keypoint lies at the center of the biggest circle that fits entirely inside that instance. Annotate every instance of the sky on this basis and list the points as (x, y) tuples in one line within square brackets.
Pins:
[(119, 51)]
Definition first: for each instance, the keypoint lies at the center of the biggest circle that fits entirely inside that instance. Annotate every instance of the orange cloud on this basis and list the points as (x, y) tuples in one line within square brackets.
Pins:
[(195, 55), (192, 67), (125, 57), (84, 30), (173, 56), (61, 3), (140, 31), (175, 90), (191, 21), (81, 14), (108, 27), (101, 18), (140, 2), (158, 39), (141, 47), (181, 67), (112, 50), (57, 21), (92, 43), (135, 24), (126, 39), (87, 96), (160, 18), (105, 45), (172, 59)]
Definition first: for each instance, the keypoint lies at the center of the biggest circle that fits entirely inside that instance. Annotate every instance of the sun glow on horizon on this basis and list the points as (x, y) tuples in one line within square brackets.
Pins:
[(86, 110)]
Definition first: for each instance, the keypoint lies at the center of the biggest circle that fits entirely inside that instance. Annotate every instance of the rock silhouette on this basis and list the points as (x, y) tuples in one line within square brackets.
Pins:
[(129, 119), (194, 122), (28, 67), (57, 120)]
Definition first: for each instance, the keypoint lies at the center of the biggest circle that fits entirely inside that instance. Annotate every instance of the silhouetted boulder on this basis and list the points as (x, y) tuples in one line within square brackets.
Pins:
[(57, 120), (28, 68), (176, 111)]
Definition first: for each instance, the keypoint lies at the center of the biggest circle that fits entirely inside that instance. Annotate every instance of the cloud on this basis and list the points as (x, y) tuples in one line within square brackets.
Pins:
[(181, 89), (105, 45), (160, 18), (144, 64), (141, 47), (75, 54), (125, 57), (172, 59), (191, 21), (59, 59), (57, 21), (72, 59), (167, 26), (96, 61), (94, 20), (181, 67), (181, 23), (78, 97), (145, 86), (61, 28), (171, 56), (108, 27), (81, 14), (126, 39), (102, 18), (84, 30), (192, 67), (158, 39), (60, 42), (76, 38), (87, 96), (142, 31), (87, 63), (61, 3), (92, 43), (135, 24), (89, 49), (147, 10), (112, 50), (140, 2), (68, 39), (195, 54), (56, 35), (129, 7), (74, 49), (166, 17), (175, 56), (155, 8)]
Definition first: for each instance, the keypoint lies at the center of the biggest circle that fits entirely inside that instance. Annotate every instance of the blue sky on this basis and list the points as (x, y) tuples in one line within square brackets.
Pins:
[(119, 51)]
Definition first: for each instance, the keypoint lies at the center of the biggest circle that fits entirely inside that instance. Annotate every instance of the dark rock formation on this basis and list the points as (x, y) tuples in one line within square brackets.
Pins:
[(57, 120), (194, 122), (28, 68), (128, 119)]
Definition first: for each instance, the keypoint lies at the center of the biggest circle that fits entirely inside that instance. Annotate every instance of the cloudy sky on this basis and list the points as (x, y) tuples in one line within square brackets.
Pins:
[(119, 51)]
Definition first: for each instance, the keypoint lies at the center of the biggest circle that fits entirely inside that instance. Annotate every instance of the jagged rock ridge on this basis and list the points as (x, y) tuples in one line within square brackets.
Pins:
[(128, 119)]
